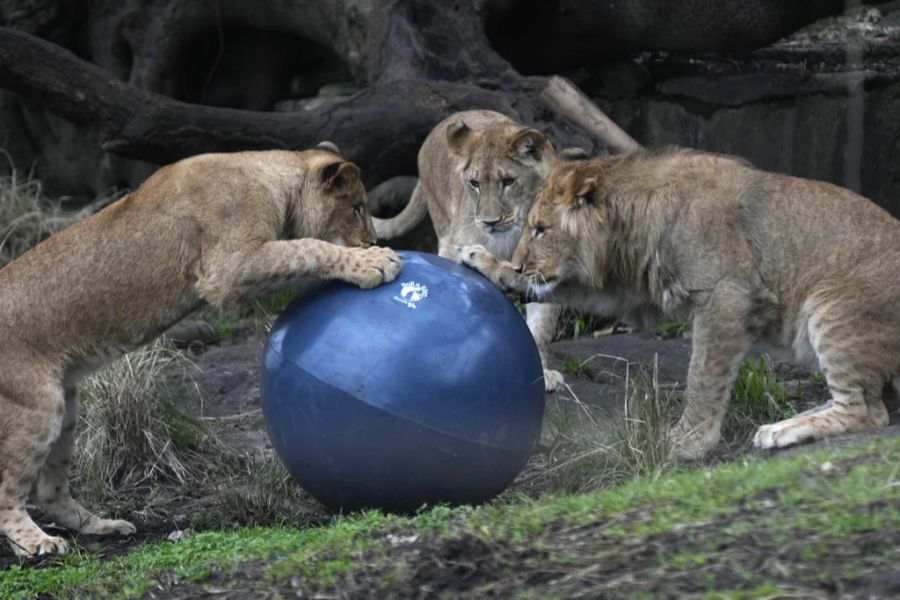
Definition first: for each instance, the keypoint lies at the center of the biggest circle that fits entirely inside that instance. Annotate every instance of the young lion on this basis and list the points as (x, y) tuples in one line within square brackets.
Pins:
[(212, 228), (478, 173), (746, 255)]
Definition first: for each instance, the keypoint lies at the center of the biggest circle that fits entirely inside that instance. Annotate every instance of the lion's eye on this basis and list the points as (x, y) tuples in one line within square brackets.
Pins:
[(508, 181), (474, 183), (538, 230)]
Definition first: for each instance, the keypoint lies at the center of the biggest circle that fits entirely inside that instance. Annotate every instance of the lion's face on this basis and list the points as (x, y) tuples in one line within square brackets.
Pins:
[(501, 169), (338, 200), (566, 232)]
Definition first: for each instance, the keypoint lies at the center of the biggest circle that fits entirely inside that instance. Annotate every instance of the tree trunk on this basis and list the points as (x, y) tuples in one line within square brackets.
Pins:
[(173, 78)]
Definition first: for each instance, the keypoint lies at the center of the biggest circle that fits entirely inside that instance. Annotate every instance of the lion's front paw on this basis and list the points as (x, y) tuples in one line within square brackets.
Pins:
[(553, 380), (500, 272), (98, 526), (691, 443), (370, 267), (475, 255)]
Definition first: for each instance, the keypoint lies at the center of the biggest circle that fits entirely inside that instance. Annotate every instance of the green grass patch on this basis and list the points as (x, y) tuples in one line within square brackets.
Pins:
[(575, 365), (258, 313), (574, 324), (672, 328), (759, 396), (664, 531)]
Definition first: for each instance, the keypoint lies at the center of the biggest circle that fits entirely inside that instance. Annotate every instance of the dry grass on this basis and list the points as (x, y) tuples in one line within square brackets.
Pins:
[(131, 431), (137, 448), (27, 217), (587, 449), (257, 491)]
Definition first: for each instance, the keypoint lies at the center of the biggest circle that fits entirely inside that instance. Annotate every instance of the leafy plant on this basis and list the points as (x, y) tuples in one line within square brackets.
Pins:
[(759, 397)]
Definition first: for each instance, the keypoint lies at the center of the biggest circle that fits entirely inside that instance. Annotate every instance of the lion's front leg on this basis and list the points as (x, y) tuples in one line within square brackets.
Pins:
[(542, 321), (239, 273), (500, 272), (720, 340)]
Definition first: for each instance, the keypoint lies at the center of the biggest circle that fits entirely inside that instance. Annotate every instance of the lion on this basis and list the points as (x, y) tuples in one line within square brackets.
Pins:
[(747, 255), (211, 228), (478, 173)]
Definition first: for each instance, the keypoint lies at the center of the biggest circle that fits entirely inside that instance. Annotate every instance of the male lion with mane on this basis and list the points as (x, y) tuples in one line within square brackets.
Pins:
[(211, 228), (746, 255)]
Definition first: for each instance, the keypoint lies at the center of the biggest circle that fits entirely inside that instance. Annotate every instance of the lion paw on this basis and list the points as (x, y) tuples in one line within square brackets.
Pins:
[(475, 256), (784, 433), (691, 443), (370, 267), (37, 544), (98, 526), (553, 380), (500, 272)]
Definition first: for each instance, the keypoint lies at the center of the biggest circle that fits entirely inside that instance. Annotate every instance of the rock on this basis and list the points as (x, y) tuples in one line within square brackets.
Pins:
[(802, 106), (189, 334)]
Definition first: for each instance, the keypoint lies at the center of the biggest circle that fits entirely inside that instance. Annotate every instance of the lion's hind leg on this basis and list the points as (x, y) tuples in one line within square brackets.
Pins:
[(52, 491), (856, 357), (31, 415)]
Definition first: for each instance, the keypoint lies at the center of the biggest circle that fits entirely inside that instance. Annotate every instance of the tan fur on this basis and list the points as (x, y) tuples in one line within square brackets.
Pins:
[(481, 148), (747, 255), (212, 228)]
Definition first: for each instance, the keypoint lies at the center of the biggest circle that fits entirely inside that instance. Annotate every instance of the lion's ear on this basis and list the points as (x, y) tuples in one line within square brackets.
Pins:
[(590, 184), (458, 137), (528, 143), (330, 147), (339, 174)]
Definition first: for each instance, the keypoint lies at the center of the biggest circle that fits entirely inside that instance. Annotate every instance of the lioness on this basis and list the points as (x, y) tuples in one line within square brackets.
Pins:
[(745, 254), (212, 228), (478, 173)]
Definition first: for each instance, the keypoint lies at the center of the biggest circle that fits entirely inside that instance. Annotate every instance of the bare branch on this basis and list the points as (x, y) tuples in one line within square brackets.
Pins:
[(567, 100)]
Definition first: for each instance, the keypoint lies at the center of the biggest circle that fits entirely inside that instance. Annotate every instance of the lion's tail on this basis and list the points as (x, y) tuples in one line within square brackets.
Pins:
[(411, 215)]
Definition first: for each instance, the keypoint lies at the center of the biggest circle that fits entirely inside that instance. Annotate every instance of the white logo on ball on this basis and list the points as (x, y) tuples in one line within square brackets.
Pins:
[(411, 293)]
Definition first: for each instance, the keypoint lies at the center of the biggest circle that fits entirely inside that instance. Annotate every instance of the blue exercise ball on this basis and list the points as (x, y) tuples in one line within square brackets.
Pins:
[(424, 390)]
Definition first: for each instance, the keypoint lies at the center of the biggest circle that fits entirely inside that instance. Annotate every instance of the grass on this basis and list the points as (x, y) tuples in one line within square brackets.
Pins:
[(136, 439), (759, 396), (673, 328), (256, 491), (131, 431), (257, 314), (574, 324), (575, 365), (587, 449), (27, 217), (739, 529)]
